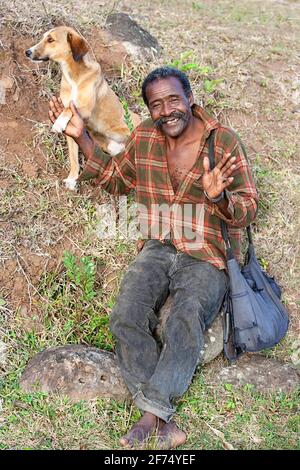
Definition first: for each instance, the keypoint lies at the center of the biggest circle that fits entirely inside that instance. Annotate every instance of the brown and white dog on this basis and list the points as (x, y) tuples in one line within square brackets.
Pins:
[(84, 84)]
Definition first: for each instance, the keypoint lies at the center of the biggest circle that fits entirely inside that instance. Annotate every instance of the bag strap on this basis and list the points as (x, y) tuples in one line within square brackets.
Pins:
[(230, 350), (224, 230)]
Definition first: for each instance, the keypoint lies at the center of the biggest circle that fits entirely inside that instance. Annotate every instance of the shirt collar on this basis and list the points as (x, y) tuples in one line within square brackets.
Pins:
[(209, 121)]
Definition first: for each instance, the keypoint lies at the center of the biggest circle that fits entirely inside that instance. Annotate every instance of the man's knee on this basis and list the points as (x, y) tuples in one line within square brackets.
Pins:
[(119, 317), (125, 312)]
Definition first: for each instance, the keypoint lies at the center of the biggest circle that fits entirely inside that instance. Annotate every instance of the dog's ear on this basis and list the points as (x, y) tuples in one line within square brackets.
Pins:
[(78, 45)]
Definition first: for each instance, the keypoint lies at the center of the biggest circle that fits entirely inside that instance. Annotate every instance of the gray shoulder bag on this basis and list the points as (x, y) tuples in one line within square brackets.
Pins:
[(254, 316)]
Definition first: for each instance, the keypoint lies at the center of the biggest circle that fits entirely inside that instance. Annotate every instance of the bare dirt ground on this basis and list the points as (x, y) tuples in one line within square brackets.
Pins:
[(252, 51)]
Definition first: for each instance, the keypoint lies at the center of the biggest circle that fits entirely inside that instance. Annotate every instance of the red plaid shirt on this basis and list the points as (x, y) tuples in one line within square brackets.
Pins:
[(186, 217)]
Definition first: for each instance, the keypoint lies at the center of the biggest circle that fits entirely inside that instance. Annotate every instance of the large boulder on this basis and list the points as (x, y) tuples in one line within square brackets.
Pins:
[(78, 371), (136, 40), (83, 372), (213, 336)]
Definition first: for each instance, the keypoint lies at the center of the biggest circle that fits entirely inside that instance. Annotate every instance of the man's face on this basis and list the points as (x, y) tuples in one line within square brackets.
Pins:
[(169, 107)]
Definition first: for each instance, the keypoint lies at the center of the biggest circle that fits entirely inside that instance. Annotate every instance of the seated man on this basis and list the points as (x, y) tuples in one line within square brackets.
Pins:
[(181, 203)]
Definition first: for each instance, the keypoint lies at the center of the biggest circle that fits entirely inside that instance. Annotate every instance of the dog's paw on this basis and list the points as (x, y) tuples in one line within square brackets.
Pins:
[(60, 123), (57, 128), (71, 183), (114, 148)]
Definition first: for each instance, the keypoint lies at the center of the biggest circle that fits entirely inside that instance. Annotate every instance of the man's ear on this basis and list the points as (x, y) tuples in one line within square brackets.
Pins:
[(78, 45), (191, 99)]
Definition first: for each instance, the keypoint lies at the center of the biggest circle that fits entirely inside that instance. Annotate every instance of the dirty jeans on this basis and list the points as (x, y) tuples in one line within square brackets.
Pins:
[(155, 376)]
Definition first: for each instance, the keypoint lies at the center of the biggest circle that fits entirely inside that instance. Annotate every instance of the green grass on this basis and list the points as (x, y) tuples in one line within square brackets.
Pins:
[(212, 416), (73, 305)]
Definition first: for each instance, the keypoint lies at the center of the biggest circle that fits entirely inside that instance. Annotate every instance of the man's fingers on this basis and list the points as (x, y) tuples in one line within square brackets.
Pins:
[(52, 104), (228, 164), (56, 106), (226, 158), (228, 170), (53, 107), (227, 182), (206, 164), (51, 116), (54, 111)]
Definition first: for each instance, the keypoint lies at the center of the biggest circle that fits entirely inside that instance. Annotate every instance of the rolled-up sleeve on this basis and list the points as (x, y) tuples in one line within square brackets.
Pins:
[(116, 174)]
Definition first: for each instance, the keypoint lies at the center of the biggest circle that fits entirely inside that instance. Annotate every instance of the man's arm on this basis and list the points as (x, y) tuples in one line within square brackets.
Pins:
[(86, 144)]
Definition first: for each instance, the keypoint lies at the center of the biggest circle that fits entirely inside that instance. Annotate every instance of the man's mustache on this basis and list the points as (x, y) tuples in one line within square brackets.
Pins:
[(175, 115)]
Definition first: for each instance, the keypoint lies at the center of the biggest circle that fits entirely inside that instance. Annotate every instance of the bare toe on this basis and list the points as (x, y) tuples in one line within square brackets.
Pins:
[(136, 436), (169, 436), (140, 432)]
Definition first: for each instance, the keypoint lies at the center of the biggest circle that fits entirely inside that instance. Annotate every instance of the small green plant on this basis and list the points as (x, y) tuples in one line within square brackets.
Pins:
[(127, 116), (211, 85), (228, 387), (197, 6), (186, 63), (264, 263), (81, 273)]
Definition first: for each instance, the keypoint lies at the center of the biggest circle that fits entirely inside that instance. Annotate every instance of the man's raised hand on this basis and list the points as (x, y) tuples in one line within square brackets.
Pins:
[(216, 180)]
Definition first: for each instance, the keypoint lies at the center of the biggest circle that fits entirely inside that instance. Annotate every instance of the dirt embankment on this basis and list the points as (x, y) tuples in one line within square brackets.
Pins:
[(25, 159)]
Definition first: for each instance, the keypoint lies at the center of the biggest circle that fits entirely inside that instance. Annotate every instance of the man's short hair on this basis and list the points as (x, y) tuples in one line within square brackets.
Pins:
[(166, 72)]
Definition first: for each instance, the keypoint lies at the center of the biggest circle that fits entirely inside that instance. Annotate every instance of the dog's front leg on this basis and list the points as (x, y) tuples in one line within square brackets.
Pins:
[(62, 120), (71, 180)]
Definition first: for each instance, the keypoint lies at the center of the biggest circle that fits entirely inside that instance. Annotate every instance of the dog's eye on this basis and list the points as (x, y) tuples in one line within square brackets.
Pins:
[(50, 40)]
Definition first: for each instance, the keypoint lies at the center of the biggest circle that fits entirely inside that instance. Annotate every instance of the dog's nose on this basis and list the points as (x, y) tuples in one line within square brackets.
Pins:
[(28, 52)]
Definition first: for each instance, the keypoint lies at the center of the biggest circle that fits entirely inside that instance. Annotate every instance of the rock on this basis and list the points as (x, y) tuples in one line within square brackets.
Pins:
[(78, 371), (108, 52), (3, 353), (266, 375), (213, 341), (213, 337), (295, 356), (136, 40)]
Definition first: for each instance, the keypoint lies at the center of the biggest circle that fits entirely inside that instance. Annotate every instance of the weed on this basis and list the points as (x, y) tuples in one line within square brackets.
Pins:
[(127, 116), (211, 85), (187, 63), (185, 66), (197, 6), (82, 274)]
